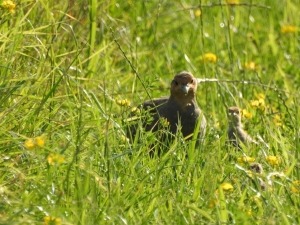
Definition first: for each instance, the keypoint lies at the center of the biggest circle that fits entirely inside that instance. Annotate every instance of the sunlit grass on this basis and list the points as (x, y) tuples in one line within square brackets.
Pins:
[(70, 78)]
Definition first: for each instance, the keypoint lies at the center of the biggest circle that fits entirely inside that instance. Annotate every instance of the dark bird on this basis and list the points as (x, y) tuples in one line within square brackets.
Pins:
[(236, 132), (179, 112)]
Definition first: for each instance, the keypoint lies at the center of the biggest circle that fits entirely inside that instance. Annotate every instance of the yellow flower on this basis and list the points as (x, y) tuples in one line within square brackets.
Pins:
[(9, 5), (40, 141), (246, 114), (254, 103), (29, 143), (250, 66), (123, 102), (232, 2), (136, 110), (246, 159), (259, 102), (277, 120), (54, 158), (32, 143), (49, 220), (249, 173), (295, 188), (273, 160), (288, 29), (164, 122), (210, 57), (197, 13), (226, 186)]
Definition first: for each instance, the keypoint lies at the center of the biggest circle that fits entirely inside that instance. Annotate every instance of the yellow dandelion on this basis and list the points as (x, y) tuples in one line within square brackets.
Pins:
[(246, 114), (277, 120), (40, 141), (232, 2), (50, 220), (246, 159), (273, 160), (54, 158), (164, 122), (135, 110), (295, 188), (226, 186), (249, 173), (254, 103), (250, 66), (287, 29), (249, 212), (197, 13), (29, 143), (123, 102), (209, 57), (9, 5), (259, 102)]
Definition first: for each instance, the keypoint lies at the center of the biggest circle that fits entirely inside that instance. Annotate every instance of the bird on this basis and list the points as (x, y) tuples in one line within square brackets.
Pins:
[(177, 113), (236, 132)]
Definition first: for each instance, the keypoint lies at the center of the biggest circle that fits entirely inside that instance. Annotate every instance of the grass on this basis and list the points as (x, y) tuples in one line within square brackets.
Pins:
[(65, 69)]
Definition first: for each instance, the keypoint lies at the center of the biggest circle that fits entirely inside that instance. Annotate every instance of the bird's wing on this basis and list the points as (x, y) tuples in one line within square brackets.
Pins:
[(153, 104)]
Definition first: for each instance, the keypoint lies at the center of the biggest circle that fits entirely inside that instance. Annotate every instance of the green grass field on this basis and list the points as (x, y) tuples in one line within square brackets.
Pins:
[(72, 71)]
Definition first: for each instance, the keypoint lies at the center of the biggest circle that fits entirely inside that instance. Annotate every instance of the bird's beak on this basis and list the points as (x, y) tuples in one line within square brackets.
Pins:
[(185, 88)]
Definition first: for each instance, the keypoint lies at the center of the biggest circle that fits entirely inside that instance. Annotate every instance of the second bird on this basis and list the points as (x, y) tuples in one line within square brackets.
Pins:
[(236, 132)]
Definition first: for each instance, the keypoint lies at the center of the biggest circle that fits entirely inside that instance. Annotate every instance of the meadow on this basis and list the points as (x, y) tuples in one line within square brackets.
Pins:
[(71, 73)]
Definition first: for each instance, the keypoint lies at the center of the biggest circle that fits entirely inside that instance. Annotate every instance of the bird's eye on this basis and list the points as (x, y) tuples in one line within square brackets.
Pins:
[(192, 81), (175, 82)]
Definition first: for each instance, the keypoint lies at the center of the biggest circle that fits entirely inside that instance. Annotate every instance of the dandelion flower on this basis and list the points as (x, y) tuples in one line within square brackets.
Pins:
[(136, 110), (295, 188), (123, 102), (273, 160), (259, 102), (38, 141), (226, 186), (277, 120), (287, 29), (197, 13), (246, 114), (164, 122), (249, 173), (54, 158), (210, 57), (250, 66), (49, 220), (246, 159), (29, 143), (9, 5)]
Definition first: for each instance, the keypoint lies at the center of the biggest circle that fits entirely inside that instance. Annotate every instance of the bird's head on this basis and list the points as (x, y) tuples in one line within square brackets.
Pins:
[(184, 87), (234, 115)]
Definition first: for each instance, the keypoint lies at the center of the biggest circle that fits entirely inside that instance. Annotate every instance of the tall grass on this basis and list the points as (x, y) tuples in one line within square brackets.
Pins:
[(65, 68)]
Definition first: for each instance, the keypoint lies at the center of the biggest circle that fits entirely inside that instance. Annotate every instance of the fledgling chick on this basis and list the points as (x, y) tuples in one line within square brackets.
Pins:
[(258, 169), (236, 132), (180, 110)]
